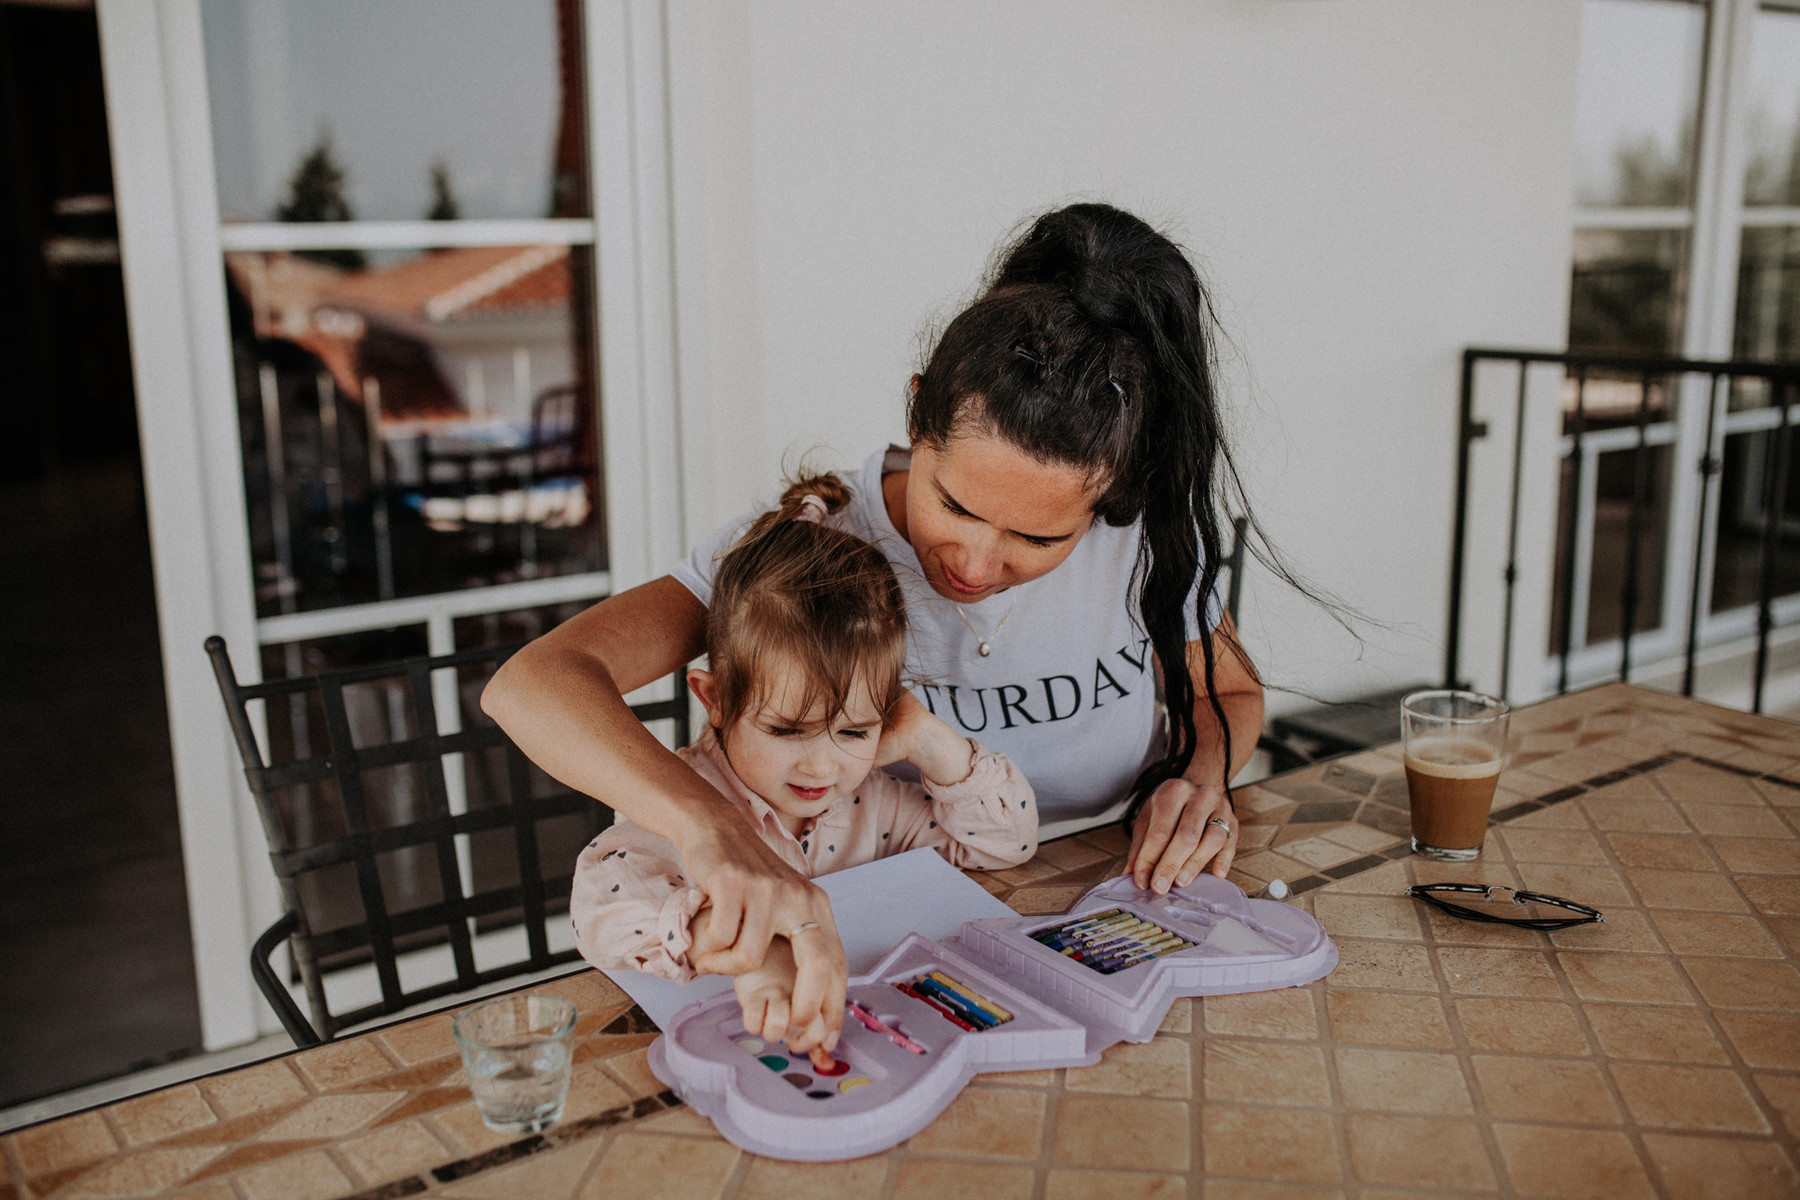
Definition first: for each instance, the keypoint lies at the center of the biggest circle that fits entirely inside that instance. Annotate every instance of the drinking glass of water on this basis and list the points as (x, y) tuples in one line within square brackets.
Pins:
[(516, 1051)]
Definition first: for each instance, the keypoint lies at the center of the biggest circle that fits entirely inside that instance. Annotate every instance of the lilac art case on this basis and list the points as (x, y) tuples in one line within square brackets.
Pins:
[(1008, 994)]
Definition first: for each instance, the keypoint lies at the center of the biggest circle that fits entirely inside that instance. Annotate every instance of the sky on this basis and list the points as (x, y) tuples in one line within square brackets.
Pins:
[(397, 84)]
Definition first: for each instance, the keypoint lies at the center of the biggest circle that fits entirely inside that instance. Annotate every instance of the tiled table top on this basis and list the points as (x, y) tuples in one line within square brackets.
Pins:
[(1655, 1055)]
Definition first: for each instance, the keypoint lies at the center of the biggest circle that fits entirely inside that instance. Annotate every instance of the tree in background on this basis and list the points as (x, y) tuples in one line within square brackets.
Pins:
[(443, 197), (315, 192)]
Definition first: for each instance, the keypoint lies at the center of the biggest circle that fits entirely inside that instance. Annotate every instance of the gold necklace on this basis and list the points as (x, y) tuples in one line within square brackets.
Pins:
[(982, 643)]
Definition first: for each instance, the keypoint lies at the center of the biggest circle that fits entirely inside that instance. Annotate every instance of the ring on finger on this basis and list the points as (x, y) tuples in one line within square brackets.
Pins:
[(797, 930), (1222, 824)]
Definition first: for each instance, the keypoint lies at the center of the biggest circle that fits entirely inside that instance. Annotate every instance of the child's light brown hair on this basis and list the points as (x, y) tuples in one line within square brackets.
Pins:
[(825, 600)]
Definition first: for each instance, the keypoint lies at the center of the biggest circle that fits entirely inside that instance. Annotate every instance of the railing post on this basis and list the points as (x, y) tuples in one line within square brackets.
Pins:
[(1568, 614), (1634, 532), (1512, 537), (1709, 466), (1775, 470), (1465, 433)]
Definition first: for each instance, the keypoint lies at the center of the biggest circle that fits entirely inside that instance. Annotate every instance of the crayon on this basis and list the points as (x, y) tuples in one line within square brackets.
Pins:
[(1084, 923), (876, 1025), (1101, 934), (1149, 952), (965, 1008), (941, 1009), (972, 994), (1064, 934)]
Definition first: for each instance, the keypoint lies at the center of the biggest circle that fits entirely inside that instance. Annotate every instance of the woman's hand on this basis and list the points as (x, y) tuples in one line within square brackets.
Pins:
[(1183, 829), (757, 906), (912, 733)]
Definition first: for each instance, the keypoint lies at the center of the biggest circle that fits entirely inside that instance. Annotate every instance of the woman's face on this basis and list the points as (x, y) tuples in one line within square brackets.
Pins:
[(982, 515)]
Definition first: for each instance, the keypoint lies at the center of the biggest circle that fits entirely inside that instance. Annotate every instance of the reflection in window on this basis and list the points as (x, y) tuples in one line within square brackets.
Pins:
[(1628, 289), (1772, 167), (398, 110), (422, 423), (1640, 94), (1748, 476), (1768, 298)]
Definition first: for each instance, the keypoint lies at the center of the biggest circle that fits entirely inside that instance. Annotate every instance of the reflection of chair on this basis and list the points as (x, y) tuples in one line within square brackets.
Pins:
[(363, 853)]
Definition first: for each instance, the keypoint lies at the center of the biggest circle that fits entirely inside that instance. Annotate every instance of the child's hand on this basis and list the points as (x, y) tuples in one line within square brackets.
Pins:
[(942, 755), (766, 997)]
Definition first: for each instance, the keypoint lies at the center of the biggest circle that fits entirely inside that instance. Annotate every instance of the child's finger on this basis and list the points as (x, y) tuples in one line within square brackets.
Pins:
[(775, 1022), (755, 1009)]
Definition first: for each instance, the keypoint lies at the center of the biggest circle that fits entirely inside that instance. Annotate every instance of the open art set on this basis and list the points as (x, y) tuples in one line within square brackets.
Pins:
[(1008, 994)]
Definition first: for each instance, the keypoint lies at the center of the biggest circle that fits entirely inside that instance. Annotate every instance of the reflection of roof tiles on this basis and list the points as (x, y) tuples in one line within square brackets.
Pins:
[(444, 284)]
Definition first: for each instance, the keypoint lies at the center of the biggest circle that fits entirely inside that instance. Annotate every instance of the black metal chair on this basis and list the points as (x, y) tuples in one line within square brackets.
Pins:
[(331, 831)]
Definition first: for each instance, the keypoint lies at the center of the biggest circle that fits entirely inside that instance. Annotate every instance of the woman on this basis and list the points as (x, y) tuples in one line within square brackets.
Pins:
[(1056, 527)]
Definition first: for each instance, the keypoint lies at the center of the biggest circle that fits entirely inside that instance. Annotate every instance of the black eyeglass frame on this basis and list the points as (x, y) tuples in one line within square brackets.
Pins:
[(1423, 891)]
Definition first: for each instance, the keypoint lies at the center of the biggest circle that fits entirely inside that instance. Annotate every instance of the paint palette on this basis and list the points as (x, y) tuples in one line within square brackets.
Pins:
[(1008, 994)]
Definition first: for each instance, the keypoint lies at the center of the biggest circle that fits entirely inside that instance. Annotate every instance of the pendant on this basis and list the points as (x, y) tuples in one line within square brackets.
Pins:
[(982, 649)]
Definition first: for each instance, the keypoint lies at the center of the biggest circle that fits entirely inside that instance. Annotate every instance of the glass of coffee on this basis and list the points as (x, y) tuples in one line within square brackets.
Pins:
[(1454, 743)]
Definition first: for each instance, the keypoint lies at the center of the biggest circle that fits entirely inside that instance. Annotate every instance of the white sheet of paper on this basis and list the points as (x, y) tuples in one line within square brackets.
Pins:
[(875, 905)]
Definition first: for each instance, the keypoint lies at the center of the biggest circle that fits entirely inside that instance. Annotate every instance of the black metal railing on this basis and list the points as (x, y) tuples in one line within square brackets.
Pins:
[(1664, 378)]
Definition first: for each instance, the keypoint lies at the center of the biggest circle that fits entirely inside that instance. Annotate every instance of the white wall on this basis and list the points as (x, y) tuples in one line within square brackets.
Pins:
[(1369, 185)]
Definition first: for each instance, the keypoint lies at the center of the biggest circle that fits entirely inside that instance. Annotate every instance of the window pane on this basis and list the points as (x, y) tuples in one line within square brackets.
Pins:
[(396, 110), (1772, 173), (435, 420), (1743, 484), (1614, 489), (1768, 298), (1639, 103), (1626, 295)]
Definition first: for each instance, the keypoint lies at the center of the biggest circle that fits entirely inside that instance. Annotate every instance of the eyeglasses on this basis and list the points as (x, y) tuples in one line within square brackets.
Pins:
[(1426, 892)]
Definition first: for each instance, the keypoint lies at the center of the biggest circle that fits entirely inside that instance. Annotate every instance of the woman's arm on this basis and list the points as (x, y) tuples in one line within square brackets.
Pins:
[(561, 699), (1174, 839)]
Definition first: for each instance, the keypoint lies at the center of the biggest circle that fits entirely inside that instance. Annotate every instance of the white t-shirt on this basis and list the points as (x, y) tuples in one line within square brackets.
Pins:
[(1068, 690)]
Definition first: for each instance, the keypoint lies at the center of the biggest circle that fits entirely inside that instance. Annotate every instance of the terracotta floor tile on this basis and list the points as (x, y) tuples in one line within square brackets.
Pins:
[(1419, 1152), (1402, 1081), (329, 1117), (1372, 964), (1389, 879), (1180, 1017), (1666, 851), (1064, 1183), (1447, 930), (1317, 851), (1032, 901), (1624, 978), (1066, 854), (551, 1175), (1654, 1034), (1389, 1019), (1764, 1039), (1158, 1067), (1266, 864), (990, 1122), (1480, 972), (250, 1154), (1285, 1013), (1758, 856), (1782, 1092), (946, 1179), (1626, 929), (429, 1038), (1368, 916), (151, 1118), (1361, 838), (1702, 1098), (1741, 983), (1732, 820), (58, 1145), (1539, 1089), (1485, 870), (308, 1176), (1292, 1146), (767, 1179), (255, 1089), (1244, 1189), (1121, 1132), (1572, 1164), (1557, 816), (1621, 815), (1287, 1073), (1553, 846), (394, 1150), (461, 1124), (1694, 891), (1709, 1168), (661, 1168), (339, 1064), (1722, 934), (1597, 887), (1778, 895), (1515, 1026)]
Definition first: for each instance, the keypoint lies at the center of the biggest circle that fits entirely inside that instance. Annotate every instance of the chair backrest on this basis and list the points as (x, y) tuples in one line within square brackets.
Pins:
[(363, 832)]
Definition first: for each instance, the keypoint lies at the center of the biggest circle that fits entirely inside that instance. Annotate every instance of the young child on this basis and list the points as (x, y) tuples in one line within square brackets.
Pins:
[(806, 640)]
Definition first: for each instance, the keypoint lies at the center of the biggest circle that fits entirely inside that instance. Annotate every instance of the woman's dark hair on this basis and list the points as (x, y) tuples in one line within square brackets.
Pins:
[(1093, 347), (801, 592)]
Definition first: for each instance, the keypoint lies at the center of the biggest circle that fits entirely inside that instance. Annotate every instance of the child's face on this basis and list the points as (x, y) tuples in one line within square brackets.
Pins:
[(797, 761)]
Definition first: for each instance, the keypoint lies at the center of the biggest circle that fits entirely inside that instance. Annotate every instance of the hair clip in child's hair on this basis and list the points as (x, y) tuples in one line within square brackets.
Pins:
[(812, 510)]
